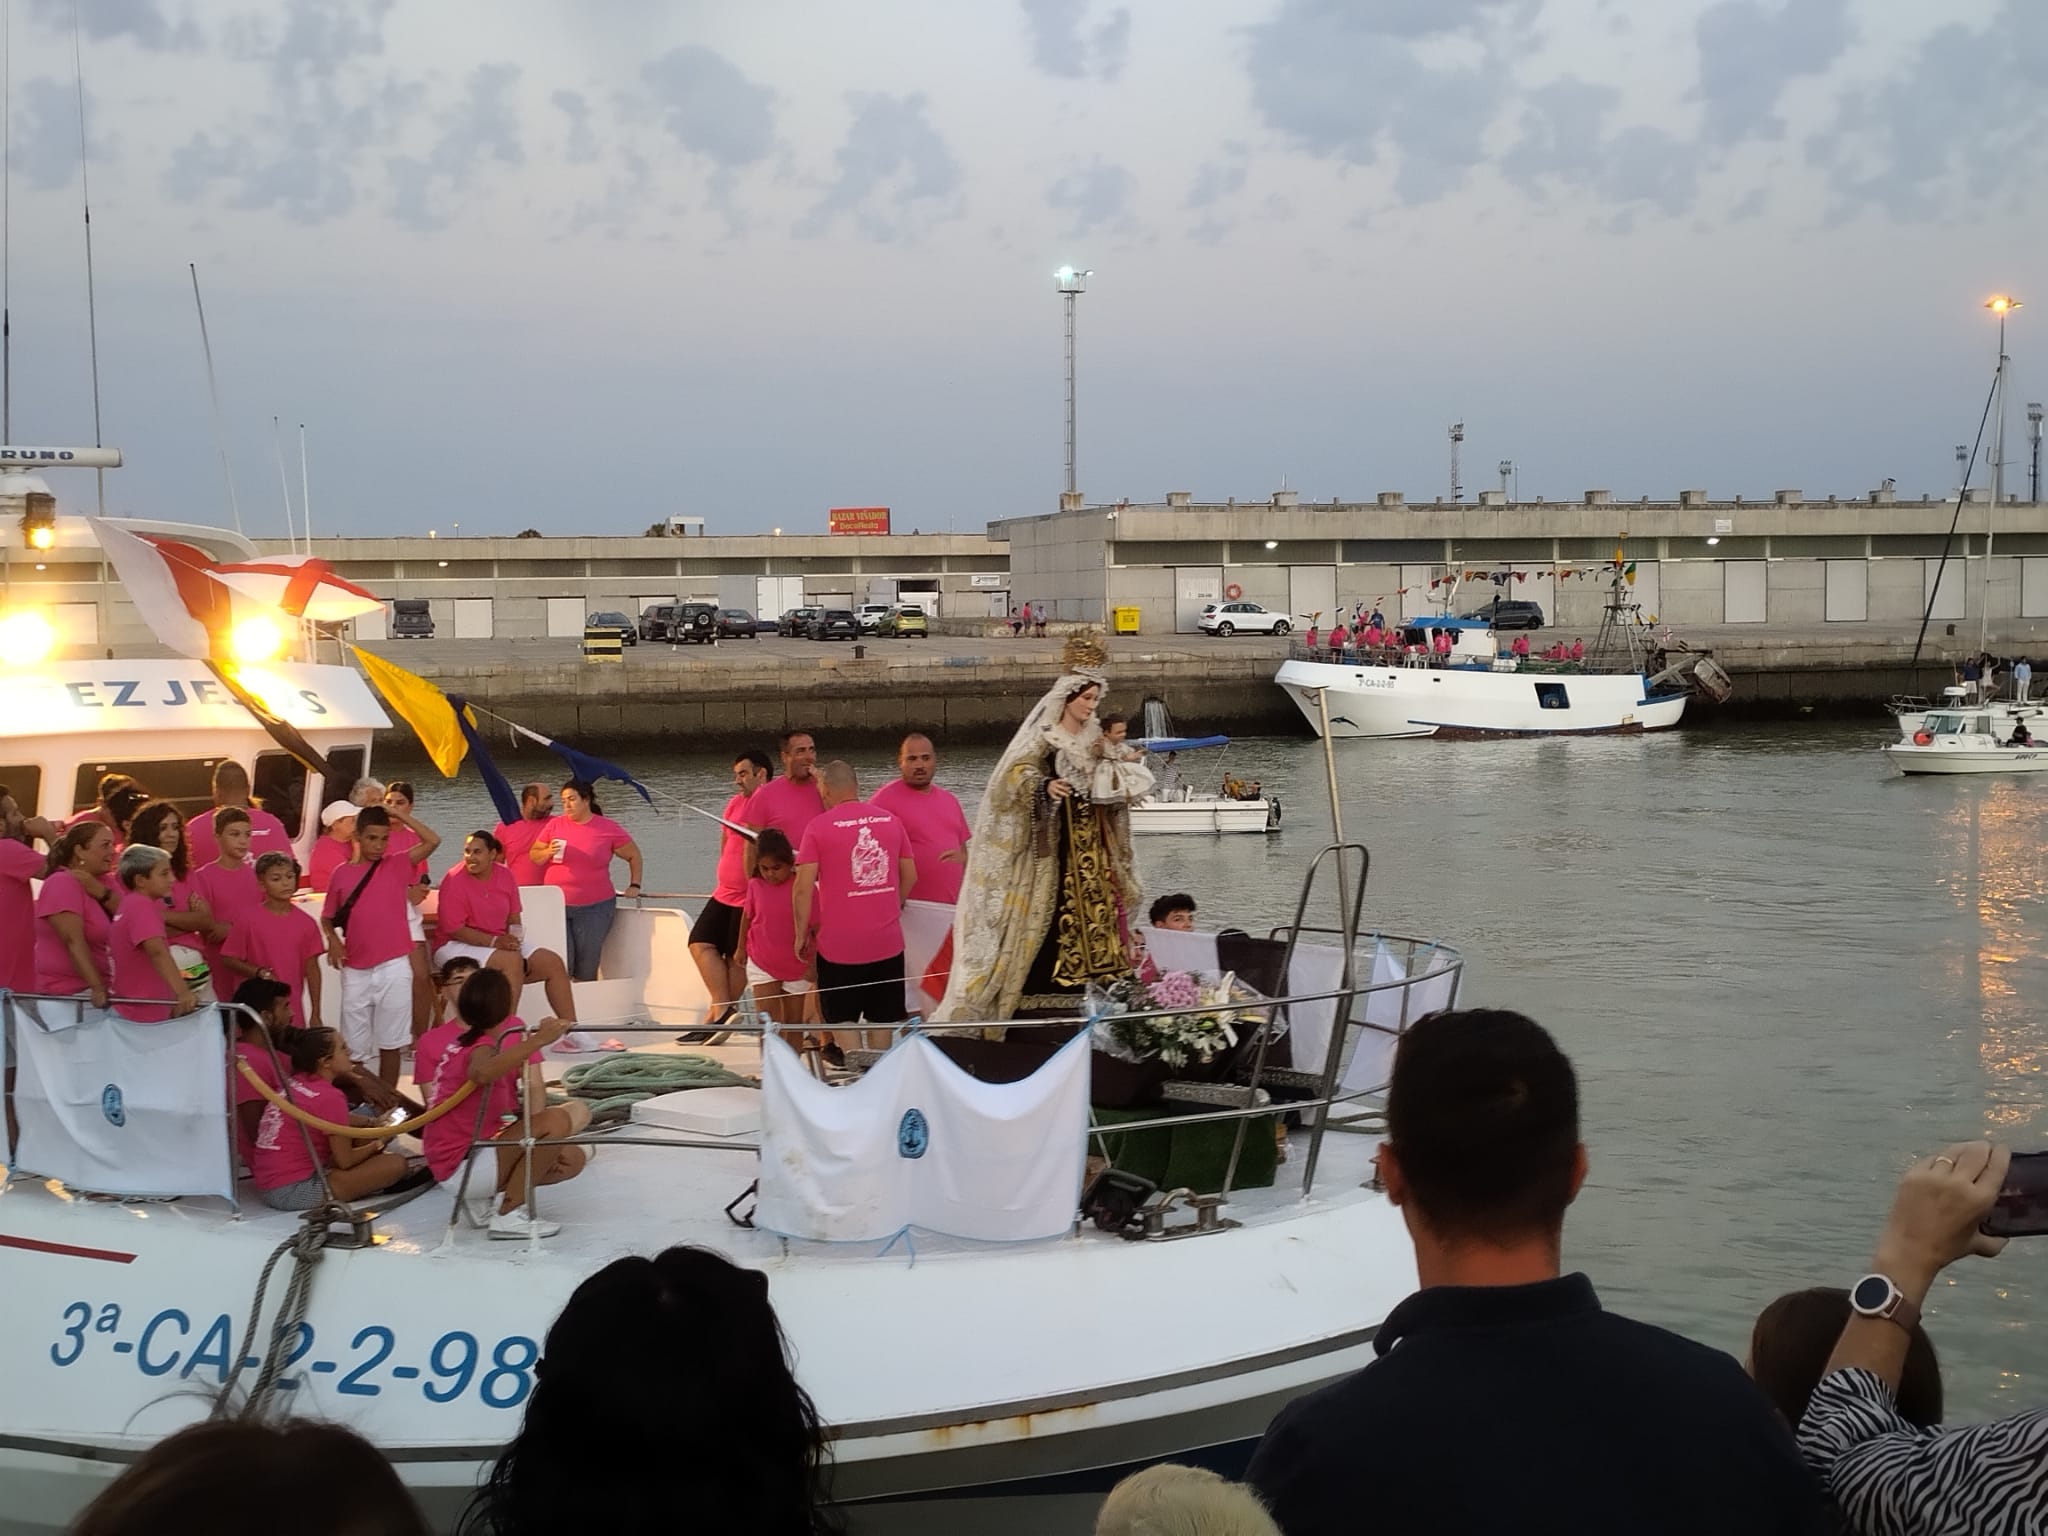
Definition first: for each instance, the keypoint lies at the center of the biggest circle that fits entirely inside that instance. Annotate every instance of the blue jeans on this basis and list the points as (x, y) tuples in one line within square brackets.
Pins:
[(588, 927)]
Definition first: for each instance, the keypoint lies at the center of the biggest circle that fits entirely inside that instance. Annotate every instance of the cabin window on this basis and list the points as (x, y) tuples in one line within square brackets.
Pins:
[(24, 781), (187, 782), (345, 765), (279, 786), (1552, 696)]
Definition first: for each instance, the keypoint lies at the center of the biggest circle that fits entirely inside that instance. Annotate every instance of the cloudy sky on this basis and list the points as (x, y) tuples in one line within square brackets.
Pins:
[(581, 266)]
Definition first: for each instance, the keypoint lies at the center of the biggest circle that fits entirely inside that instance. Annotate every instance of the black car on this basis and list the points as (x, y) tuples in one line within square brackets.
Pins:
[(1504, 613), (834, 624), (736, 624), (692, 624), (411, 619), (655, 619), (618, 623), (798, 620)]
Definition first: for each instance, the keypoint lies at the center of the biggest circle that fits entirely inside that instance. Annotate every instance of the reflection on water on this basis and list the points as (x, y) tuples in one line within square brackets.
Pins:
[(1781, 969)]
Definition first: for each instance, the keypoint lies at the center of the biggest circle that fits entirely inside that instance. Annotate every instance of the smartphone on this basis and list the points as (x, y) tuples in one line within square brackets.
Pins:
[(2022, 1208)]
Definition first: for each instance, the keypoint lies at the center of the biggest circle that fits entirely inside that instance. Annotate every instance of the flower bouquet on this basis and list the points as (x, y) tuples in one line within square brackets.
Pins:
[(1126, 1025)]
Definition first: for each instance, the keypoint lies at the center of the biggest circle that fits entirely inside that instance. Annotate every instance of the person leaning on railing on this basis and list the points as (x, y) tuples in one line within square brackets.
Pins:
[(20, 865), (73, 923), (148, 987)]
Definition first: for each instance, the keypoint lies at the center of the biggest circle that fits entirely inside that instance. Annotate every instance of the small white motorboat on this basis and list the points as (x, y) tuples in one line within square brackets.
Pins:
[(1176, 807), (1978, 739)]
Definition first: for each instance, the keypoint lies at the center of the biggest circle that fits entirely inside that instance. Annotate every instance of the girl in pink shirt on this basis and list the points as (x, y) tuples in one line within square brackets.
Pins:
[(72, 925), (162, 825), (277, 942), (777, 966), (285, 1171), (141, 959)]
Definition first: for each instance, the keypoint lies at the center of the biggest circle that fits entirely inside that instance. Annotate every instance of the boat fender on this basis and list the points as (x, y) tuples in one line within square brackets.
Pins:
[(1233, 592), (1923, 739)]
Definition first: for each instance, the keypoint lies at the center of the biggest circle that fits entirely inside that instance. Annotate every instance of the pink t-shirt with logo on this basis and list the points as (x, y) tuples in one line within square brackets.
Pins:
[(770, 912), (53, 970), (446, 1140), (19, 864), (859, 914), (491, 906), (584, 872), (936, 824), (428, 1050), (280, 942), (328, 855), (787, 806), (731, 886), (279, 1155), (266, 835), (517, 839), (377, 927), (231, 895), (239, 1090), (140, 919)]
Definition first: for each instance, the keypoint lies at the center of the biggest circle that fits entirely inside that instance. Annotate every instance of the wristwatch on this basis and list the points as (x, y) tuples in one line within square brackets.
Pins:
[(1877, 1297)]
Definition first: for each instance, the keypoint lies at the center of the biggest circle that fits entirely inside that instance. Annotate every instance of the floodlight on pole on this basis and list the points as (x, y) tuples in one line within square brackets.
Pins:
[(1072, 283), (1507, 470), (2001, 305)]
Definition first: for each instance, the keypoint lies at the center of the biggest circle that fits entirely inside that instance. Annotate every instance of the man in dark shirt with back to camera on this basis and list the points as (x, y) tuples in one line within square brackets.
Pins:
[(1503, 1398)]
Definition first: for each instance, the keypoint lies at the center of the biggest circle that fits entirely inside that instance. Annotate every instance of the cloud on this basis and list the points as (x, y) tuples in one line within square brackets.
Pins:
[(1216, 180), (895, 174), (711, 108), (1063, 45), (1750, 52), (143, 22), (45, 147), (581, 145), (1564, 141), (481, 128), (1094, 195)]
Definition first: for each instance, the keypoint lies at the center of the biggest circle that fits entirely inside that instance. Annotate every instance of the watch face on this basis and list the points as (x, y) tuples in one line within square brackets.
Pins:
[(1871, 1293)]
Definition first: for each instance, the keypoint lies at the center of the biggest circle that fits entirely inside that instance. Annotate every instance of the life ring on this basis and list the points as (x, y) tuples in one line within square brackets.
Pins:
[(1923, 739), (1233, 592)]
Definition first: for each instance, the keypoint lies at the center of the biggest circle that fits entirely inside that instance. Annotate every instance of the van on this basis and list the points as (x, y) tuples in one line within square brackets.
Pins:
[(411, 619)]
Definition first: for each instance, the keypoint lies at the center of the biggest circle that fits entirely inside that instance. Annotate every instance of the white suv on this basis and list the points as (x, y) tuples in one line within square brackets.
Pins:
[(868, 615), (1229, 618)]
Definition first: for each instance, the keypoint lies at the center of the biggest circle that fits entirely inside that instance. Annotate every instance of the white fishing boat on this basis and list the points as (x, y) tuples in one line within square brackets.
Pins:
[(1976, 739), (1176, 806), (1041, 1369), (1448, 676)]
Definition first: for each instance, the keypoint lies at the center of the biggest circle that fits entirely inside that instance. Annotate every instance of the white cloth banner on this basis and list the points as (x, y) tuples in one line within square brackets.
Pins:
[(917, 1143), (1434, 985), (120, 1108)]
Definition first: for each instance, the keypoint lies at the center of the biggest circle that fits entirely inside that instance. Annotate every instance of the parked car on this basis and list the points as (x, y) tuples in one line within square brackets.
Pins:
[(617, 623), (655, 619), (1508, 613), (411, 619), (737, 624), (693, 624), (1229, 618), (904, 623), (834, 624), (868, 615), (798, 620)]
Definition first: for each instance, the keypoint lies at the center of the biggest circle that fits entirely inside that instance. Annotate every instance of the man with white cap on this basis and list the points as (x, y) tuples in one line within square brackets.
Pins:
[(334, 847)]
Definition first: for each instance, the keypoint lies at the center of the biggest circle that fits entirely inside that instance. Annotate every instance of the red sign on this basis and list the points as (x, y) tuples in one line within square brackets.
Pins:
[(859, 520)]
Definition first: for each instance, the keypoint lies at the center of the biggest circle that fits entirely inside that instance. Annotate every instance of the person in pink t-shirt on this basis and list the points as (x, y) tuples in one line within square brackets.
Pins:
[(518, 837), (428, 1050), (231, 790), (20, 864), (228, 885), (334, 847), (479, 920), (576, 849), (277, 942), (777, 965), (162, 825), (71, 920), (715, 936), (286, 1161), (854, 870), (787, 804), (366, 922), (933, 818), (148, 988)]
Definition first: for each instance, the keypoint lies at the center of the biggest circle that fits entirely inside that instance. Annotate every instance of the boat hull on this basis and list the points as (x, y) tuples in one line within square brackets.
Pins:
[(1205, 815), (1941, 759), (1376, 701)]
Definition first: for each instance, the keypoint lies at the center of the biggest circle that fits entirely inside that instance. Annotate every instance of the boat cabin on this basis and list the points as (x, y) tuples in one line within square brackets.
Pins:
[(1472, 640)]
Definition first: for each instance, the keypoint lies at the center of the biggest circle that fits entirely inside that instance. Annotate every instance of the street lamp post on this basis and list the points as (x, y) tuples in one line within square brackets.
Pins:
[(1507, 470), (2034, 414), (2001, 305), (1073, 282)]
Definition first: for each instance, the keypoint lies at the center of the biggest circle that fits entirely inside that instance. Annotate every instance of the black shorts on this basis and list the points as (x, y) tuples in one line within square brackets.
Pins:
[(719, 926), (849, 993)]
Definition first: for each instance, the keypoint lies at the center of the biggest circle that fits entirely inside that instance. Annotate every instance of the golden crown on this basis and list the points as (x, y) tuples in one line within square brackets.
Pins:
[(1084, 652)]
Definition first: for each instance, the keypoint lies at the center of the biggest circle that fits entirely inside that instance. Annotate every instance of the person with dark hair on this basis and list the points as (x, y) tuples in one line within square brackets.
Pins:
[(147, 987), (776, 961), (715, 936), (743, 1447), (246, 1477), (1502, 1378), (577, 849), (517, 837), (287, 1159), (496, 1056), (853, 872), (20, 866), (226, 886), (791, 802), (101, 810), (231, 789), (931, 814), (72, 921), (1791, 1342), (366, 924), (480, 920), (1176, 911), (268, 1015), (399, 800), (161, 824), (428, 1050), (278, 942)]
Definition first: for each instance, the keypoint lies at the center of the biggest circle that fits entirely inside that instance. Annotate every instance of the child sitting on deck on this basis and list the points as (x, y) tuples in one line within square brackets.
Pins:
[(287, 1159), (428, 1050)]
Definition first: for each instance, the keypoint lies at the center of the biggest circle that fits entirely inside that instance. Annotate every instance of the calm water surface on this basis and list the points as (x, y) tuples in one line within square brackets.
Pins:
[(1781, 969)]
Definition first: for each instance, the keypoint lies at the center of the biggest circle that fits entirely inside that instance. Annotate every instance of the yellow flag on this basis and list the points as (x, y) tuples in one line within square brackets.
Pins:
[(422, 706)]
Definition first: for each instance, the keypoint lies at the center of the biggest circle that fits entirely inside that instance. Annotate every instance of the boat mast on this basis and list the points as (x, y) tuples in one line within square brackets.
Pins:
[(2000, 305)]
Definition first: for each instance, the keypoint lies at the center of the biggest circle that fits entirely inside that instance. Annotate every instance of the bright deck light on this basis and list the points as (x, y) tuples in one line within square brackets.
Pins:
[(41, 537), (256, 639), (26, 638)]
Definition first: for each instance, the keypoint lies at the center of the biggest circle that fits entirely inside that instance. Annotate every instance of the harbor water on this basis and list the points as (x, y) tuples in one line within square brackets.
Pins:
[(1781, 969)]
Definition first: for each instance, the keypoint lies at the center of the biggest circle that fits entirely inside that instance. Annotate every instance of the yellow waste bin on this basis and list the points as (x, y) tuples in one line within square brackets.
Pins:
[(1126, 621)]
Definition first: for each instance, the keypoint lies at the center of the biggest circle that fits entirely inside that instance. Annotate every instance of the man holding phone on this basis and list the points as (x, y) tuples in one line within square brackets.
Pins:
[(1889, 1477)]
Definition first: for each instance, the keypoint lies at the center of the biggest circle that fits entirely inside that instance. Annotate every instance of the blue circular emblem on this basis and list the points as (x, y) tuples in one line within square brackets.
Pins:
[(913, 1135), (110, 1105)]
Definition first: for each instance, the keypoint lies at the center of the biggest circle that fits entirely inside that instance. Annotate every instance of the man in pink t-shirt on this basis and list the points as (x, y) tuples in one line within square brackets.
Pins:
[(933, 818), (372, 947), (715, 936), (231, 787), (518, 837), (855, 863), (788, 803)]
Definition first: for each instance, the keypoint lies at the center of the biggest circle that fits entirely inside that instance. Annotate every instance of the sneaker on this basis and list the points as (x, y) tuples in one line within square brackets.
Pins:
[(518, 1225)]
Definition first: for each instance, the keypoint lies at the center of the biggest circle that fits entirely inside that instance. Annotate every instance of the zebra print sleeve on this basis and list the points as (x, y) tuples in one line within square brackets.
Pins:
[(1891, 1479)]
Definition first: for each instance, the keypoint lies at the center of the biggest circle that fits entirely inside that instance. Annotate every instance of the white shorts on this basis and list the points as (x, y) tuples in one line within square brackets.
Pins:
[(455, 949), (761, 978), (414, 925), (376, 1010)]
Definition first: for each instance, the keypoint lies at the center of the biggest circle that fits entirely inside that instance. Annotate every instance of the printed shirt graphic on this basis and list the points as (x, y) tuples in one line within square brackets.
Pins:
[(858, 850)]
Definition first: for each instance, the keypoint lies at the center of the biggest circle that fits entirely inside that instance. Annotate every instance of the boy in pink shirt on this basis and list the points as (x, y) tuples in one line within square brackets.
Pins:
[(369, 939), (227, 884), (277, 942), (141, 958), (933, 818), (854, 870)]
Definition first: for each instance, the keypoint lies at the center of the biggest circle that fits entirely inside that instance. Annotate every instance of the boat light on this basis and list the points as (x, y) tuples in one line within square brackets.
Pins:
[(26, 637), (1272, 543), (256, 639), (1713, 539), (41, 536)]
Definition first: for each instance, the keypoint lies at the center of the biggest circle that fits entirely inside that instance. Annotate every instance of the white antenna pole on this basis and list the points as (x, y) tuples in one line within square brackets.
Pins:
[(305, 490), (92, 314), (291, 532), (213, 389)]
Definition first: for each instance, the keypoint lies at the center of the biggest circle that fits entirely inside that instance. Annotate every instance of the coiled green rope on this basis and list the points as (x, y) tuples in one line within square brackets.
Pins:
[(613, 1084)]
